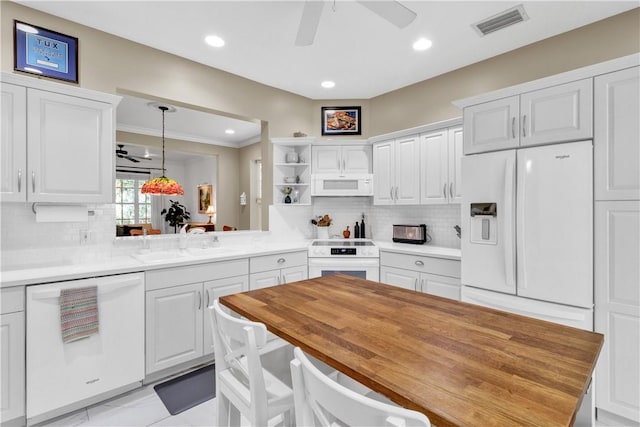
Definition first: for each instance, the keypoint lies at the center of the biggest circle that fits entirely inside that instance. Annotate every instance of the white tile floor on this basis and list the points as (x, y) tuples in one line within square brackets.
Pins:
[(141, 407)]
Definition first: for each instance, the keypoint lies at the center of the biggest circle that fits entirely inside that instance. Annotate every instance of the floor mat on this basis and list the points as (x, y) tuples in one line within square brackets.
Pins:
[(189, 390)]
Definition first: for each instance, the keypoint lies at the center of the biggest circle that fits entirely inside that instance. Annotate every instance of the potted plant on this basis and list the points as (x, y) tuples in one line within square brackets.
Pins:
[(176, 214)]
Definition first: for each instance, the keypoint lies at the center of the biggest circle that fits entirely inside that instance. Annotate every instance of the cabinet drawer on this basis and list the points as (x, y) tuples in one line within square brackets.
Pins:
[(158, 279), (423, 264), (282, 260), (12, 300)]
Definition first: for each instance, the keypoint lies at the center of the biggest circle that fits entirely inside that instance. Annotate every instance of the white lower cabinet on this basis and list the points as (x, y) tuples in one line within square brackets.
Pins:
[(12, 356), (435, 276), (617, 311), (177, 322), (277, 269)]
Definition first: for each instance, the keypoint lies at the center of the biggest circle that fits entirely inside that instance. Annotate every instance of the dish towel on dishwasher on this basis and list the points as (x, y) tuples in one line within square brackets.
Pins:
[(78, 313)]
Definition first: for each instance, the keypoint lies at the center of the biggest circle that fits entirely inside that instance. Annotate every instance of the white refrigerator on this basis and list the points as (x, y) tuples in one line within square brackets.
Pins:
[(527, 235)]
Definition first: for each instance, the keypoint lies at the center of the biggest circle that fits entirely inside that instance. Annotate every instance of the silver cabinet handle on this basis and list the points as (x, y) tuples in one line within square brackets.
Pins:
[(419, 263), (397, 193), (513, 127), (284, 279), (344, 165), (415, 284), (391, 193), (199, 300), (422, 289), (524, 126), (444, 190), (281, 260), (19, 180), (33, 181), (207, 298), (451, 189)]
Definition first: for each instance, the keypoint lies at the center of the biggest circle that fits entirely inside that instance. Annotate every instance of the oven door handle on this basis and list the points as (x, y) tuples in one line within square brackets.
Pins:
[(334, 262)]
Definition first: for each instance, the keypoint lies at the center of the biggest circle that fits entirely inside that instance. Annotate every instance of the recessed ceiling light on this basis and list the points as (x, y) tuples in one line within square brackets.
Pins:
[(327, 84), (229, 131), (214, 41), (422, 44)]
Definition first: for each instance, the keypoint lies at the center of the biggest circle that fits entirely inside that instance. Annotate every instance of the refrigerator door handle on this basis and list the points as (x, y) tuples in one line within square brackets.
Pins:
[(508, 222)]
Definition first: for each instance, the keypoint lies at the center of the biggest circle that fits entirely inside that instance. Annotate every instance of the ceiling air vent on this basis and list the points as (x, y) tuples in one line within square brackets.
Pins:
[(501, 20)]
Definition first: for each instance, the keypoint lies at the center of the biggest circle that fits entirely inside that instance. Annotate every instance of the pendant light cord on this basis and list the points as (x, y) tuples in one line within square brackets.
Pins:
[(163, 109)]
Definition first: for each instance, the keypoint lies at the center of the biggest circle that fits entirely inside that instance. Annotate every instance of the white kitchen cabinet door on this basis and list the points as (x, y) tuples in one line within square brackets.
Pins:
[(557, 114), (264, 279), (434, 167), (326, 159), (407, 171), (12, 367), (173, 326), (13, 144), (492, 125), (294, 274), (617, 307), (442, 286), (402, 278), (617, 135), (70, 148), (356, 159), (213, 290), (384, 172), (456, 142)]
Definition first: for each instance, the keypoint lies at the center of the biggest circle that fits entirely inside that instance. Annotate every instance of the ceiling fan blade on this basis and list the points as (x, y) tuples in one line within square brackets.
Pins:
[(309, 22), (392, 11), (141, 157), (132, 159)]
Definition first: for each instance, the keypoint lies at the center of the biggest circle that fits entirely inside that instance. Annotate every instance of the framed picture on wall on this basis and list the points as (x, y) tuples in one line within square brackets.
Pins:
[(44, 52), (205, 197), (341, 121)]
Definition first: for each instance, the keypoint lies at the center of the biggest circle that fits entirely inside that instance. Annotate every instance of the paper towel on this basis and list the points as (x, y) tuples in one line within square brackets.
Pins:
[(61, 213)]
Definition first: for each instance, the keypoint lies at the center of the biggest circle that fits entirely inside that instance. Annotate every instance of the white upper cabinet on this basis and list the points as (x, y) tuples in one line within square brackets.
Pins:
[(555, 114), (69, 149), (396, 165), (13, 145), (57, 142), (341, 159), (491, 126), (617, 135), (440, 177)]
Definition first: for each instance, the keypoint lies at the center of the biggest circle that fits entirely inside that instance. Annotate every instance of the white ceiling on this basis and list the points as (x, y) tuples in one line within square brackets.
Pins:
[(364, 54)]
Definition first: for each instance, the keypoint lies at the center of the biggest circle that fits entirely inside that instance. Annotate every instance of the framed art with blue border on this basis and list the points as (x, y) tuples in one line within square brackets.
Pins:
[(341, 121), (45, 53)]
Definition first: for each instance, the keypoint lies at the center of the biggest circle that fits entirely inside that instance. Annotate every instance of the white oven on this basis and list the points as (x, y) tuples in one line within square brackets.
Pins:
[(355, 257)]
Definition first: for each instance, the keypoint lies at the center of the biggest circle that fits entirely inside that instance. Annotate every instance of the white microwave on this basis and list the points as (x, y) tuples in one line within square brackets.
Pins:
[(342, 185)]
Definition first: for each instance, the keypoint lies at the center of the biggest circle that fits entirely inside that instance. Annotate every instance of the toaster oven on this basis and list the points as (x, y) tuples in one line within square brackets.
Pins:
[(414, 234)]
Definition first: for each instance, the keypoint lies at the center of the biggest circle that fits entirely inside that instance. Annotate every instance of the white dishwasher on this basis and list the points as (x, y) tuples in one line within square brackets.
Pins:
[(64, 376)]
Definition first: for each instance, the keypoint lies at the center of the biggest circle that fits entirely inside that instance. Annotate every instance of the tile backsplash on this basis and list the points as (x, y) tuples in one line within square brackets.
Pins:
[(379, 220), (26, 243)]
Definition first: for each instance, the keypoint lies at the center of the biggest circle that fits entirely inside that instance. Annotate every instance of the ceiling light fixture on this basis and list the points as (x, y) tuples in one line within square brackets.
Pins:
[(422, 44), (162, 186), (229, 131), (214, 41), (327, 84)]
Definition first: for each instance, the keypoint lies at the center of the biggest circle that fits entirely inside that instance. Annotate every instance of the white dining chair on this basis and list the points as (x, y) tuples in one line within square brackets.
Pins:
[(243, 385), (320, 401)]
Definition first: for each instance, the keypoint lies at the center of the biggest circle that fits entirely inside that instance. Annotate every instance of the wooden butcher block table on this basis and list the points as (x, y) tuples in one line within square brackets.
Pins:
[(459, 364)]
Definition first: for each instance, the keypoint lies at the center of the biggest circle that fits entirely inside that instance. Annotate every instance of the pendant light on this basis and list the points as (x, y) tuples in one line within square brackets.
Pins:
[(162, 186)]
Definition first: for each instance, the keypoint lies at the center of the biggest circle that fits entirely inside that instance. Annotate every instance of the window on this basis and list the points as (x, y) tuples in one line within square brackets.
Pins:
[(132, 207)]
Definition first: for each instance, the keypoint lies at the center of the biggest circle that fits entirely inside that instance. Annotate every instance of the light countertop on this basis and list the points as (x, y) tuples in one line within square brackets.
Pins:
[(424, 250)]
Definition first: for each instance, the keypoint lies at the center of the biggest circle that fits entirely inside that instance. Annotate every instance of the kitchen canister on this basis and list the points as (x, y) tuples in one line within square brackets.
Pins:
[(323, 232), (291, 157)]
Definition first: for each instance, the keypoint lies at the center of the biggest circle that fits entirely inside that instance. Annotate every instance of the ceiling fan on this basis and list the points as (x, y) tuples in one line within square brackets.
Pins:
[(392, 11), (123, 154)]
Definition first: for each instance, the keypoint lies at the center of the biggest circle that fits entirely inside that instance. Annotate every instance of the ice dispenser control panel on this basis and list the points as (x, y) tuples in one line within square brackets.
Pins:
[(484, 225)]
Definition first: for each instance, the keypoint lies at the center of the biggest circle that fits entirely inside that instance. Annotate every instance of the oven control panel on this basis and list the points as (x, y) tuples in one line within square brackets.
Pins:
[(347, 248)]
